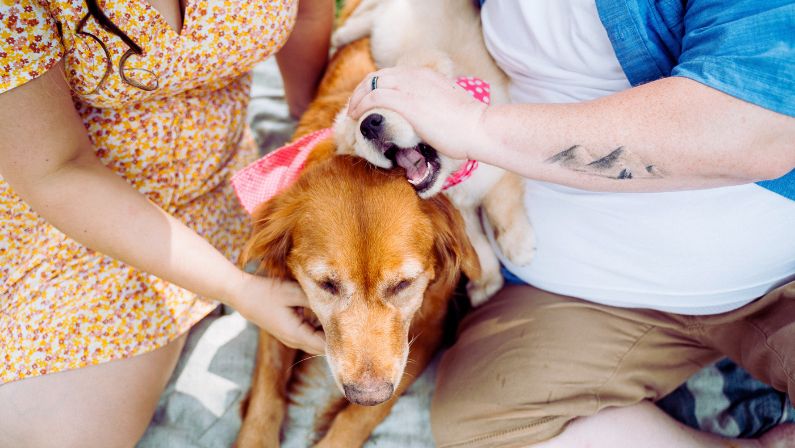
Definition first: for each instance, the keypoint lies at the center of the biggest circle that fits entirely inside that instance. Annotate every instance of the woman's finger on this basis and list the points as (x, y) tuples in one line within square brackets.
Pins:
[(311, 340), (388, 78), (364, 87), (303, 336)]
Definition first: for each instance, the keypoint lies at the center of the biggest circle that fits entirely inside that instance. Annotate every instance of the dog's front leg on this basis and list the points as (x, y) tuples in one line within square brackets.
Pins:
[(264, 412), (505, 210), (480, 290), (353, 425), (358, 25)]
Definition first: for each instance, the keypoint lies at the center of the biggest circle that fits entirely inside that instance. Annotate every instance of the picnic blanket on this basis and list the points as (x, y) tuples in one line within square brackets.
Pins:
[(200, 405)]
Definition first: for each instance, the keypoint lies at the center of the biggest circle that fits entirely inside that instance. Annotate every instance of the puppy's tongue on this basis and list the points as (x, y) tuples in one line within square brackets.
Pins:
[(414, 164)]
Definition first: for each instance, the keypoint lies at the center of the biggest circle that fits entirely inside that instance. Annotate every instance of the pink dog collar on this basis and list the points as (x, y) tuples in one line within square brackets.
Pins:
[(481, 91), (268, 176)]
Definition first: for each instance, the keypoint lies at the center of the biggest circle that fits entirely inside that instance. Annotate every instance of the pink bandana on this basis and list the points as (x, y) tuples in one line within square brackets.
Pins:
[(268, 176), (271, 174)]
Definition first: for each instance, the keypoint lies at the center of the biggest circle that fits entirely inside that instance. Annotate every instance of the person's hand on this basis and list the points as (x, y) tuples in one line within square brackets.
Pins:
[(275, 306), (442, 113)]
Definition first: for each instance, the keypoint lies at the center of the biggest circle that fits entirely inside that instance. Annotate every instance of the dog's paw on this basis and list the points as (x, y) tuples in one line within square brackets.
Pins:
[(347, 34), (482, 289), (518, 243), (358, 26)]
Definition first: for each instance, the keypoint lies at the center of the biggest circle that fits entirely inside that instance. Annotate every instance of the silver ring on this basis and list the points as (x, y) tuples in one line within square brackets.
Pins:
[(374, 83)]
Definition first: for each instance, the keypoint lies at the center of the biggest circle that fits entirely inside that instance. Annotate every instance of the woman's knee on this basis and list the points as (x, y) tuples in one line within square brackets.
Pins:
[(108, 405), (27, 420), (81, 435)]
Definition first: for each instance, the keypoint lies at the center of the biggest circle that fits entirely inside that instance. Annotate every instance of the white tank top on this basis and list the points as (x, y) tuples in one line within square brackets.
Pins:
[(690, 252)]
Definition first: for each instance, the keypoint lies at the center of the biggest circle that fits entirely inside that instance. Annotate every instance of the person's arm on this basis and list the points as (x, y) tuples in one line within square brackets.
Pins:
[(47, 158), (673, 133), (303, 58)]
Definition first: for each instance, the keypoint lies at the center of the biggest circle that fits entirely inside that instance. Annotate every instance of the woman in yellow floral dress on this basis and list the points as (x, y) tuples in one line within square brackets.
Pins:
[(121, 122)]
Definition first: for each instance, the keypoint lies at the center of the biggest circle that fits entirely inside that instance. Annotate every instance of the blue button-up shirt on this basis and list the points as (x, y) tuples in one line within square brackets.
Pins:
[(745, 48)]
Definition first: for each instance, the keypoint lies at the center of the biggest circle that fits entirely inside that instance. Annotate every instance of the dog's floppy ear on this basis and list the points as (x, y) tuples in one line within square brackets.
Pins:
[(271, 238), (451, 245)]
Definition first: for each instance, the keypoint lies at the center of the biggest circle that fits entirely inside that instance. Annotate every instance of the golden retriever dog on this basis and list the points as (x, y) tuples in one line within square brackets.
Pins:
[(444, 35), (378, 264)]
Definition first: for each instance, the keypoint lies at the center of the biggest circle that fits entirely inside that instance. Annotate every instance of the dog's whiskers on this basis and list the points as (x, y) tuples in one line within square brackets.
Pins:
[(306, 359), (414, 338)]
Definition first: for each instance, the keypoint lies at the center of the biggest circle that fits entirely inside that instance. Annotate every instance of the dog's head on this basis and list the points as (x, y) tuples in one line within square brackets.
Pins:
[(387, 140), (371, 257)]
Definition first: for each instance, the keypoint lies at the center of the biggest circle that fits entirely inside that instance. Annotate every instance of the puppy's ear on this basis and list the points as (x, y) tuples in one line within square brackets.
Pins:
[(271, 238), (452, 248)]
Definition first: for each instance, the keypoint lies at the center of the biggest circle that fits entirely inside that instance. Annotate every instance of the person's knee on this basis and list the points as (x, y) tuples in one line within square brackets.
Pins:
[(69, 432), (520, 371), (109, 405), (85, 437), (454, 425), (498, 406)]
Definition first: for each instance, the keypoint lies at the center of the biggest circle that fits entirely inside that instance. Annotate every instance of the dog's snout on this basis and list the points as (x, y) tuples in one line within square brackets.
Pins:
[(368, 393), (372, 126)]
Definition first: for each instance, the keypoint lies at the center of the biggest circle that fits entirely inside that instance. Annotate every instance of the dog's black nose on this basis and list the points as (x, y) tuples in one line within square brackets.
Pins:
[(371, 126), (368, 393)]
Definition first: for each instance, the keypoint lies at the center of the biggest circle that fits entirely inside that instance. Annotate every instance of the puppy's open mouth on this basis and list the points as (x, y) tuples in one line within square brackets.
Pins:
[(420, 162)]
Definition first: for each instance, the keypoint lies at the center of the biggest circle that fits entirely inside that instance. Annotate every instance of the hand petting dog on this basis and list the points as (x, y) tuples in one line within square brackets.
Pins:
[(423, 97), (273, 306)]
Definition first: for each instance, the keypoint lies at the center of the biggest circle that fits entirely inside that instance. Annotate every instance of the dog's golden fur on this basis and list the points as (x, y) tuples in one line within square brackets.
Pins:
[(445, 36), (378, 264)]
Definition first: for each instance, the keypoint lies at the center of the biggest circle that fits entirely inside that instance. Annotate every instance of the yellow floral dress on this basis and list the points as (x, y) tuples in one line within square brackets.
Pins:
[(174, 128)]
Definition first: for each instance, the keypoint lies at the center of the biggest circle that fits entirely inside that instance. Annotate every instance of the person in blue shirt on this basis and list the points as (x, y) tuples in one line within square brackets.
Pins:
[(658, 143)]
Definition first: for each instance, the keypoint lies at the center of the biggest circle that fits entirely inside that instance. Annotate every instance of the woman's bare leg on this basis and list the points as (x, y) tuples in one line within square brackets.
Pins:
[(108, 405), (645, 425)]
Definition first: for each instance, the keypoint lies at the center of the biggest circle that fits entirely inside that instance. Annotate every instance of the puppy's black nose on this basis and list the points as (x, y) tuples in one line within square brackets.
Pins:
[(371, 126)]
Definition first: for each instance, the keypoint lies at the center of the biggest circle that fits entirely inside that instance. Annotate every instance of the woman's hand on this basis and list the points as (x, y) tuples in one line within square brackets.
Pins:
[(442, 113), (275, 306)]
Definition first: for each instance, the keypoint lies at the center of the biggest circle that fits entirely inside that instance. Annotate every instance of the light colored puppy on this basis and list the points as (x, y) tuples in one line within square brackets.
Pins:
[(444, 35)]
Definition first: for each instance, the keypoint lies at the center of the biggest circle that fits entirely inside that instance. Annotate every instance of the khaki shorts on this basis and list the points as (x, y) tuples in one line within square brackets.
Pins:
[(528, 362)]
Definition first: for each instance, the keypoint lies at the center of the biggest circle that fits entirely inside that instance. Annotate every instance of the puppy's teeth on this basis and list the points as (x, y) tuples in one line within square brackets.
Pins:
[(428, 171), (425, 177)]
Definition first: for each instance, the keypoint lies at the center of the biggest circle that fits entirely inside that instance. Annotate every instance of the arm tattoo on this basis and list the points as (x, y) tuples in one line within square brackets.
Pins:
[(619, 164)]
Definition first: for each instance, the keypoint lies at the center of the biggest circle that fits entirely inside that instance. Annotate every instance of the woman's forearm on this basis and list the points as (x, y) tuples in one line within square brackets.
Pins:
[(99, 209), (672, 134), (303, 58), (47, 158)]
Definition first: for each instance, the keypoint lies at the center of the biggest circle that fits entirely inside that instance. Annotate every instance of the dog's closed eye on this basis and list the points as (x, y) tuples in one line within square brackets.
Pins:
[(331, 286), (400, 286)]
